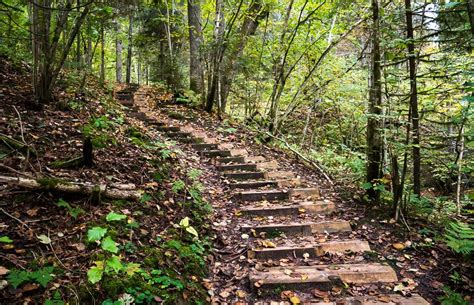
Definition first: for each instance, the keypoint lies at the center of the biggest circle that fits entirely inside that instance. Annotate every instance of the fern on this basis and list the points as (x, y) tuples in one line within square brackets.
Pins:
[(459, 237)]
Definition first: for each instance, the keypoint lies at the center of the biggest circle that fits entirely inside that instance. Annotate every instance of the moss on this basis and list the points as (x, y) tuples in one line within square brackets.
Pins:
[(70, 163), (48, 182)]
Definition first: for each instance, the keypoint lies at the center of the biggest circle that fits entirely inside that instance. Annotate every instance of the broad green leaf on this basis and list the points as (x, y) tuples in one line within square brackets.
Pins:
[(115, 217), (114, 263), (192, 231), (184, 222), (96, 233), (5, 239), (43, 276), (132, 268), (108, 244), (367, 186), (94, 274), (145, 198)]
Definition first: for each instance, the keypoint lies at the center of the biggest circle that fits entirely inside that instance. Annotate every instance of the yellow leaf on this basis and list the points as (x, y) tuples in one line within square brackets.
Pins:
[(301, 210), (398, 246), (295, 300), (304, 277), (268, 244)]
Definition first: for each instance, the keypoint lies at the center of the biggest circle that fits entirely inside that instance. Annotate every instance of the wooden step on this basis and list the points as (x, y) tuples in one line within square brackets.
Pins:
[(127, 103), (392, 299), (191, 140), (263, 195), (280, 175), (311, 251), (168, 128), (226, 160), (254, 184), (245, 175), (323, 276), (296, 193), (216, 153), (237, 167), (178, 134), (306, 229), (204, 146), (319, 207), (267, 165)]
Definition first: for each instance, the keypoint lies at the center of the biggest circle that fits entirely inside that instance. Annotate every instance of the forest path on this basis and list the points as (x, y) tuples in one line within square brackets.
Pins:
[(278, 240)]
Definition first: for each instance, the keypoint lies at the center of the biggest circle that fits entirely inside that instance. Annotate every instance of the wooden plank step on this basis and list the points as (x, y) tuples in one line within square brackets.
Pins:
[(392, 299), (307, 229), (263, 195), (267, 165), (245, 175), (253, 184), (216, 153), (237, 167), (226, 160), (204, 146), (127, 103), (320, 207), (323, 276), (178, 134), (296, 193), (191, 140), (311, 251), (266, 183), (168, 128)]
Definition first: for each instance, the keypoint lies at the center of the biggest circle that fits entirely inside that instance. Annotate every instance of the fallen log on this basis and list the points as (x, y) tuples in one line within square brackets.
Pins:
[(95, 190)]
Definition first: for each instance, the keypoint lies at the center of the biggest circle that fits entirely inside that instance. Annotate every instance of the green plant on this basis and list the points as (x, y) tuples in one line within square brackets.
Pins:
[(57, 300), (74, 212), (452, 298), (5, 239), (184, 224), (112, 216), (459, 237), (41, 276)]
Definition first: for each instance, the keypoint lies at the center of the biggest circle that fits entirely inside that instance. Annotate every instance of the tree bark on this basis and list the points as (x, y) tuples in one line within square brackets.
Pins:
[(118, 54), (413, 99), (102, 55), (374, 144), (128, 74), (196, 71)]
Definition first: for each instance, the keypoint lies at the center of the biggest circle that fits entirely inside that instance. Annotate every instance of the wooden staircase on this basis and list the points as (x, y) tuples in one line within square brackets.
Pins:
[(270, 194)]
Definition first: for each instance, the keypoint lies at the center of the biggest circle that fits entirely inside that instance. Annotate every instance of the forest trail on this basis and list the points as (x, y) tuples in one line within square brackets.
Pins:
[(282, 242)]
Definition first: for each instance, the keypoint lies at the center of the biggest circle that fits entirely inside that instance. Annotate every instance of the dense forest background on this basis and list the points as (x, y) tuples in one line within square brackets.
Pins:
[(377, 95)]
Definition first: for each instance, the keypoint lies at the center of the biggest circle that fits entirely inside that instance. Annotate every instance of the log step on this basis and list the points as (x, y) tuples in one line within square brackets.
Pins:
[(393, 299), (265, 183), (204, 146), (216, 153), (320, 207), (263, 195), (323, 276), (237, 167), (312, 251), (226, 160), (168, 128), (305, 229), (245, 175), (178, 134), (296, 193)]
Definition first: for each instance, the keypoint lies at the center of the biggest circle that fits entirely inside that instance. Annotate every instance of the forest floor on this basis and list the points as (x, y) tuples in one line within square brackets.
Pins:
[(43, 231)]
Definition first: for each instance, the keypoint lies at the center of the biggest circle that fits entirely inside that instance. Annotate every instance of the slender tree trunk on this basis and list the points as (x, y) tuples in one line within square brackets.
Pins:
[(374, 149), (196, 71), (102, 55), (460, 163), (78, 43), (118, 55), (413, 99), (129, 51)]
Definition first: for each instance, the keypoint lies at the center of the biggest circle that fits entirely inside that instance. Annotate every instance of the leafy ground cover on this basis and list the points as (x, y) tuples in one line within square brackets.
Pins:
[(59, 248)]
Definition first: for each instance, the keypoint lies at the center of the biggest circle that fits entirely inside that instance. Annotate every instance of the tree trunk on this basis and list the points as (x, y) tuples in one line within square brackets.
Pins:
[(129, 51), (102, 55), (413, 99), (118, 55), (196, 71), (374, 145)]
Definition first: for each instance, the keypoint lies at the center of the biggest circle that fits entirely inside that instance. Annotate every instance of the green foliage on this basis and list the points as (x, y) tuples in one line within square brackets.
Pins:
[(42, 276), (178, 186), (100, 130), (452, 298), (145, 198), (74, 212), (57, 300), (184, 223), (112, 216), (108, 244), (96, 234), (459, 237), (6, 239)]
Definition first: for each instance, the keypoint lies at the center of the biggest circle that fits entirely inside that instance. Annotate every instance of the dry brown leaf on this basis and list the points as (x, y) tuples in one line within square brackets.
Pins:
[(398, 246), (3, 270)]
